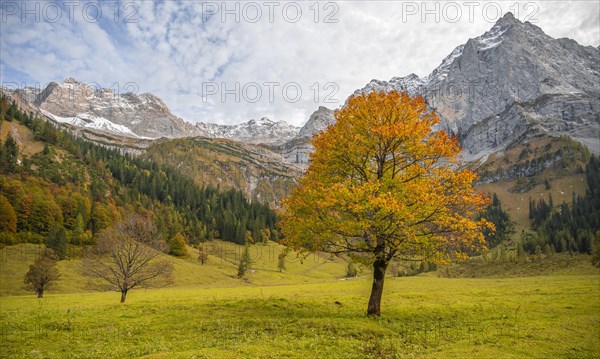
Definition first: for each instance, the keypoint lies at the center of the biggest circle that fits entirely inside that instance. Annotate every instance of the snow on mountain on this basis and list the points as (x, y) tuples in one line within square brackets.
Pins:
[(254, 131), (93, 122), (139, 116)]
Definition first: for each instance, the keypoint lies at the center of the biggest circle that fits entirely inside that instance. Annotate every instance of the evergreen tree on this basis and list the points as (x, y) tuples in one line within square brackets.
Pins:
[(569, 228), (57, 241), (78, 230), (504, 227), (245, 262), (9, 156)]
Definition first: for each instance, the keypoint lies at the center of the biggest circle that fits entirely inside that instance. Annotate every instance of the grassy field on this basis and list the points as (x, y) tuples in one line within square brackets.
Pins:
[(549, 316), (220, 270)]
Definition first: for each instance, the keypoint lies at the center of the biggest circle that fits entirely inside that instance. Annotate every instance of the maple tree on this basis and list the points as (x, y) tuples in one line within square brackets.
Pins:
[(382, 185)]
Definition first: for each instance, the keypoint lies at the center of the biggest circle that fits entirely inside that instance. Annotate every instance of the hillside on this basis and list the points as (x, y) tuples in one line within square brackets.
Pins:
[(226, 164), (220, 270), (84, 187), (532, 170)]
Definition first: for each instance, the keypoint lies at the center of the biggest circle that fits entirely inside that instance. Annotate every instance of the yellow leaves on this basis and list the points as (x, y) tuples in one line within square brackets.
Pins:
[(380, 173)]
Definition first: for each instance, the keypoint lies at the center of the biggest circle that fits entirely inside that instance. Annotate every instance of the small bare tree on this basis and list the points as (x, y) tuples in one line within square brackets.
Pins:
[(42, 273), (281, 261), (127, 256), (202, 254)]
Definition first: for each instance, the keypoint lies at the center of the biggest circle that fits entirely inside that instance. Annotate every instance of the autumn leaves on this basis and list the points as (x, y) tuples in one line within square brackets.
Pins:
[(383, 185)]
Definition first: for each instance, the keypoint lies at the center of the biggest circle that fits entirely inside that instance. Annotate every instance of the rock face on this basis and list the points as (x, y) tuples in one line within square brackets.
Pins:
[(254, 131), (297, 150), (139, 116), (79, 104), (512, 82)]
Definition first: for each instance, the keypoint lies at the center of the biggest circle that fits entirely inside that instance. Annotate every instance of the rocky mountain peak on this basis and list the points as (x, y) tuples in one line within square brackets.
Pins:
[(507, 19), (140, 116), (81, 105), (297, 150), (254, 131), (511, 82), (261, 122), (70, 80)]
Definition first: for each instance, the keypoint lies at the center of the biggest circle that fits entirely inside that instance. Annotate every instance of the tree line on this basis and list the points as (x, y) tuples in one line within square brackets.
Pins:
[(567, 228), (73, 189)]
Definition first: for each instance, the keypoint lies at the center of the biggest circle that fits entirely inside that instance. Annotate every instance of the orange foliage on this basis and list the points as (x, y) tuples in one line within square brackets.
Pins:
[(383, 185)]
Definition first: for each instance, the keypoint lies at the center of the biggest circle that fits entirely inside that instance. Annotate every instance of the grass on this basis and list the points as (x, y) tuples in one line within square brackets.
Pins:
[(533, 265), (25, 139), (220, 270), (425, 317), (210, 314), (517, 204)]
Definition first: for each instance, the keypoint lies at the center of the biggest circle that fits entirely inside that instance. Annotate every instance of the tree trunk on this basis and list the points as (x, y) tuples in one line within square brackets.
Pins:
[(379, 267), (123, 296), (40, 294)]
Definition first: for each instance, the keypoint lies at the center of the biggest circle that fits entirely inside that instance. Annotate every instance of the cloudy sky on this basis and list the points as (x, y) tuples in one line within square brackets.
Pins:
[(228, 62)]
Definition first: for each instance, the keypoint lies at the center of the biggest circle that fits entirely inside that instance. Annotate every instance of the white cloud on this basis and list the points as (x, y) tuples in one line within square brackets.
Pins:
[(171, 51)]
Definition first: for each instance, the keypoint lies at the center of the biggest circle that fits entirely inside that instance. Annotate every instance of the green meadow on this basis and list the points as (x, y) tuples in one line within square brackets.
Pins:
[(308, 311)]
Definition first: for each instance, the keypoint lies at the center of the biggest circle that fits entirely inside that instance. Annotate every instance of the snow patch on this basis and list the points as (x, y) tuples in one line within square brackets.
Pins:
[(86, 120), (492, 38)]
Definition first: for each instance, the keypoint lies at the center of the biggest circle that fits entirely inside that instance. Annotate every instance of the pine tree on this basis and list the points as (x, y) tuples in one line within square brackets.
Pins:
[(245, 262), (504, 227), (78, 230), (57, 241), (10, 153)]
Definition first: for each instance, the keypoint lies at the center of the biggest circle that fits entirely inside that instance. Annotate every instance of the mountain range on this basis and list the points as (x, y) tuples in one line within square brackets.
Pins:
[(511, 85), (142, 116)]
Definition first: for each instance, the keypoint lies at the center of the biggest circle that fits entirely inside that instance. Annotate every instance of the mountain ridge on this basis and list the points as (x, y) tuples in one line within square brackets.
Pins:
[(143, 116), (510, 82)]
